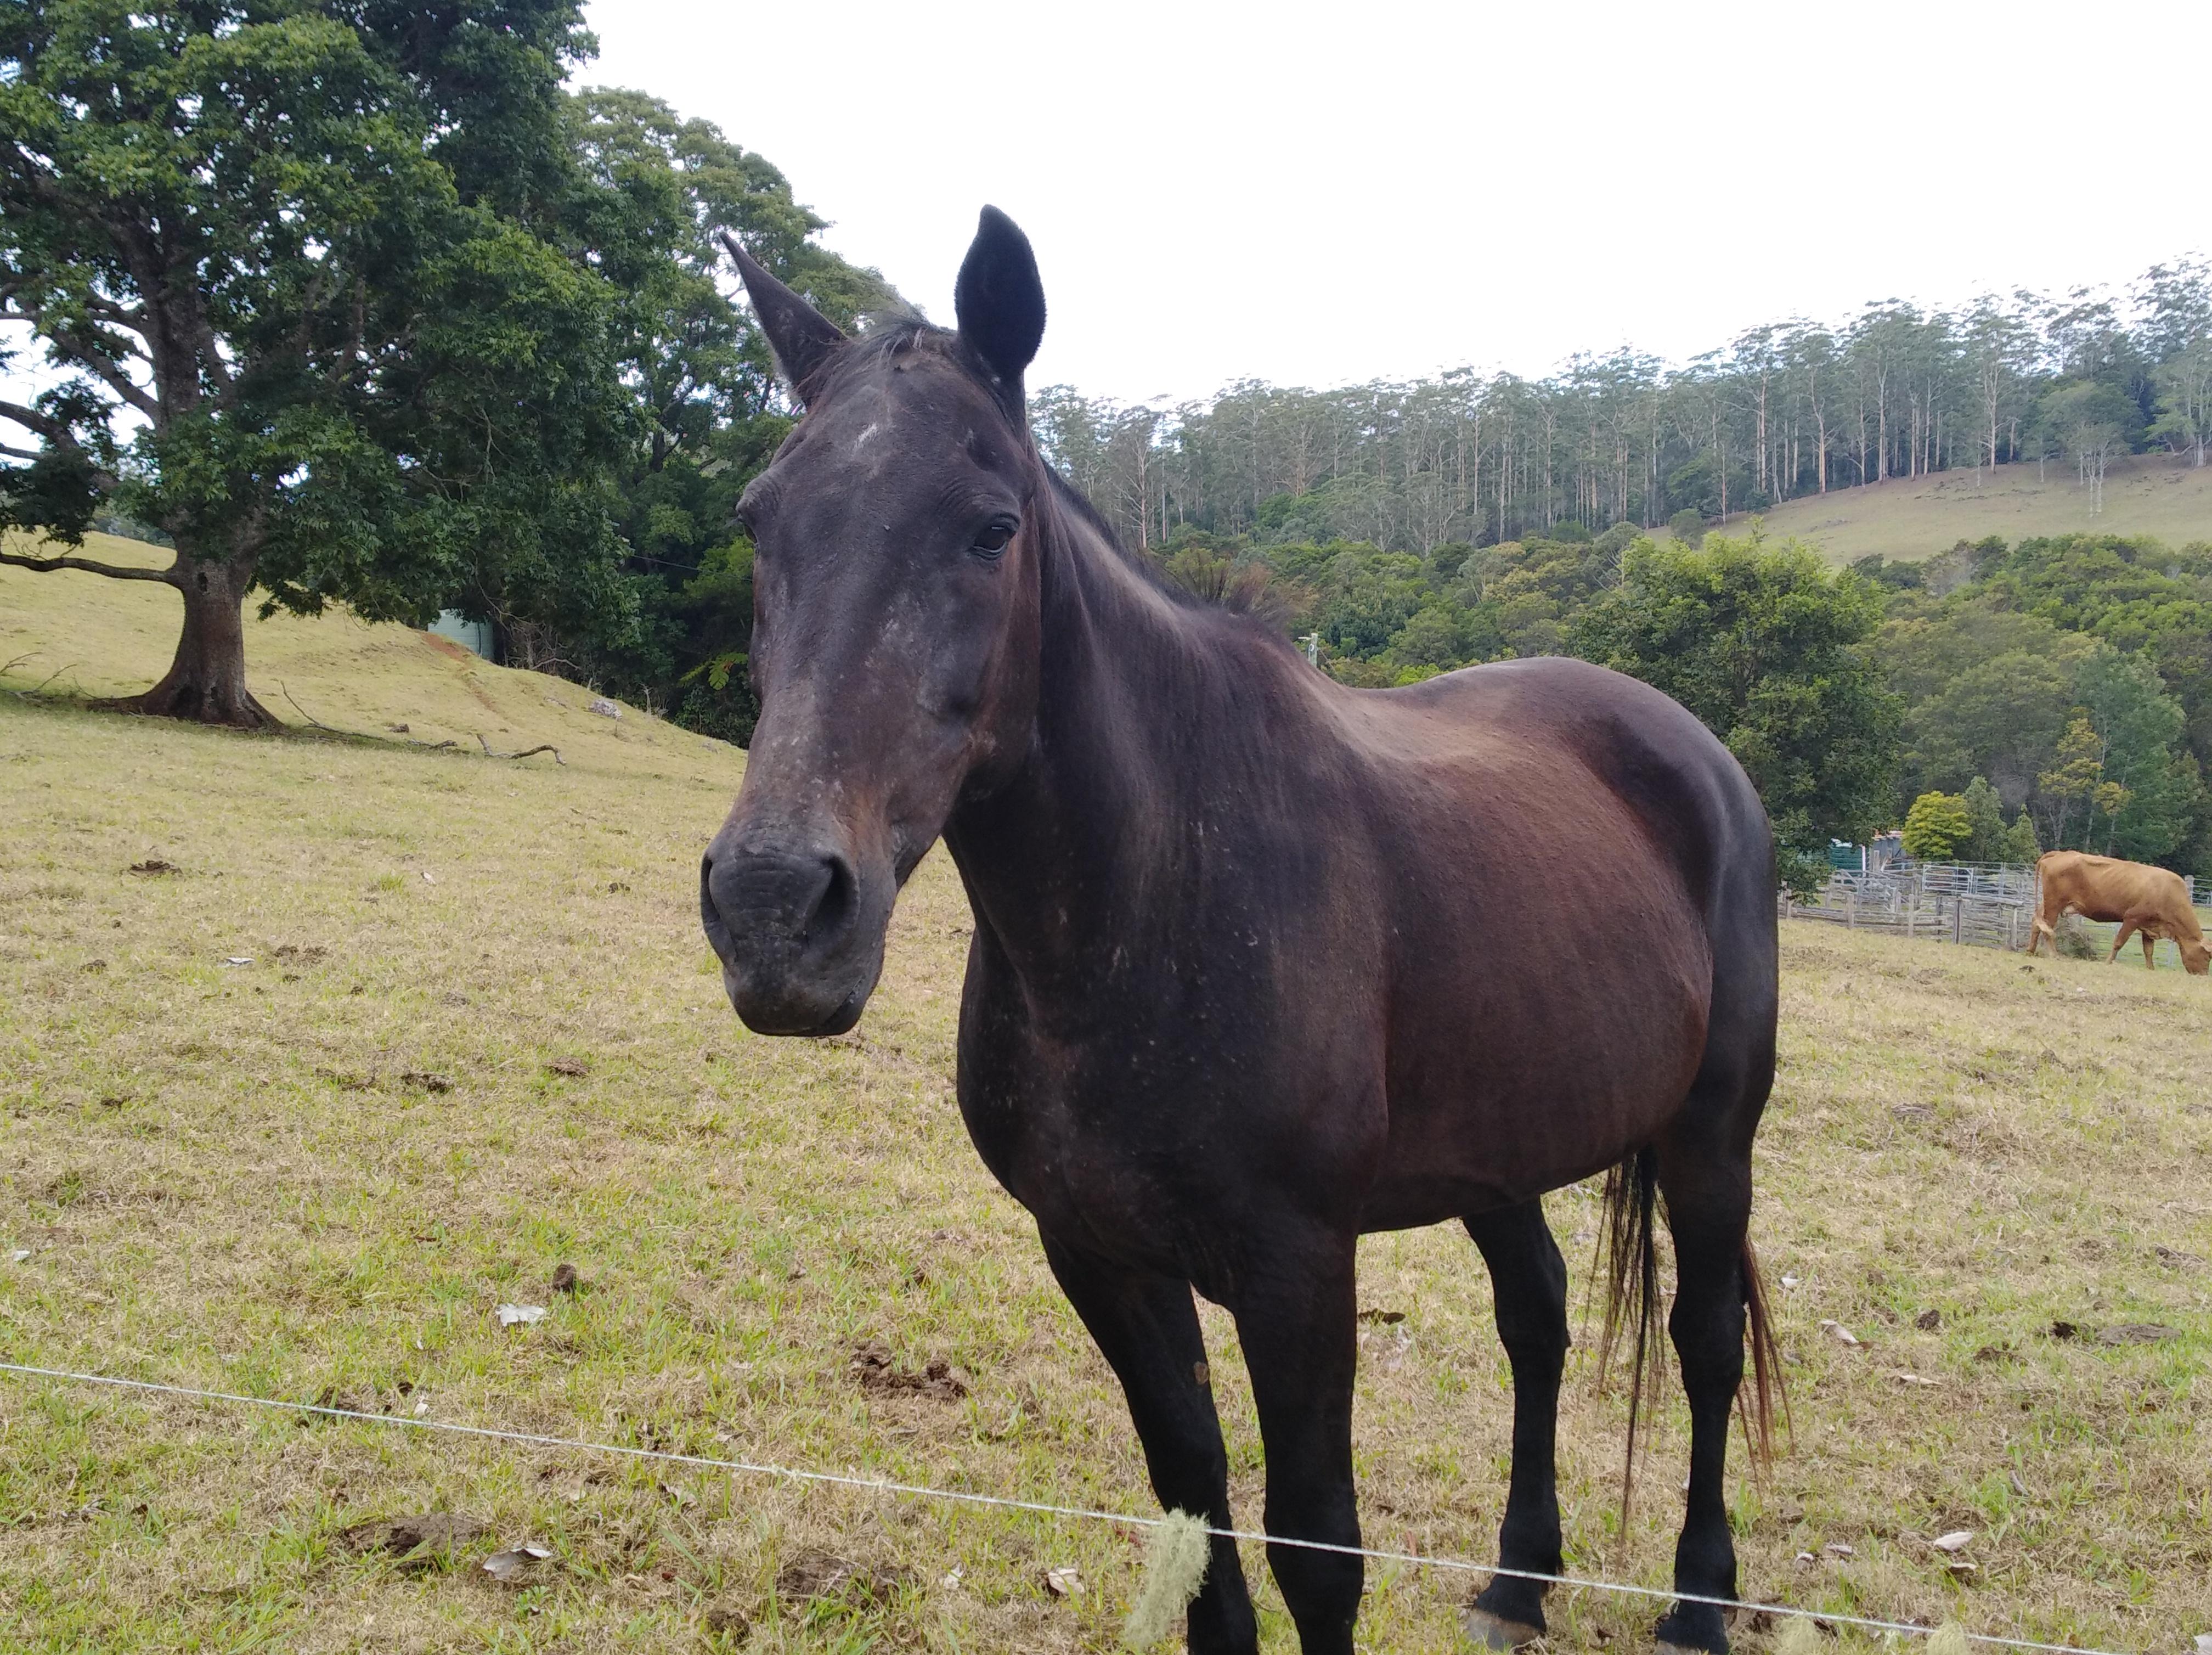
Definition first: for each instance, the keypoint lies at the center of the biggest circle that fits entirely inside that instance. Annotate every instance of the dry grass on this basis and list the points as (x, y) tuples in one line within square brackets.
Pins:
[(224, 1177), (2160, 494)]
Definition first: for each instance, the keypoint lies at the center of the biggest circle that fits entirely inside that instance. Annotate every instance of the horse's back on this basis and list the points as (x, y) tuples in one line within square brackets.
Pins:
[(1677, 778)]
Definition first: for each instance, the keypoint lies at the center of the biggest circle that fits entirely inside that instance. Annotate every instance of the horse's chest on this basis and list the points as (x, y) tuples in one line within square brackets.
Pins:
[(1117, 1161)]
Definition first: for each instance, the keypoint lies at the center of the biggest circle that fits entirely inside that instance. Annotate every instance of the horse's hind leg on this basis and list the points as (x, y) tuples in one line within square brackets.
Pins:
[(1708, 1211), (1529, 1283), (1703, 1169), (1147, 1328)]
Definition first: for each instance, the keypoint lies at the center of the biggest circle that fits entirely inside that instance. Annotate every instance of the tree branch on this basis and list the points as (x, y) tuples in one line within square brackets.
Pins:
[(46, 425), (106, 368), (113, 571), (118, 315), (546, 747)]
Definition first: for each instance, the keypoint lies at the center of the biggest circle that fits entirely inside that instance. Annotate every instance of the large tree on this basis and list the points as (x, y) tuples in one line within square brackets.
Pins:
[(1769, 647), (295, 267)]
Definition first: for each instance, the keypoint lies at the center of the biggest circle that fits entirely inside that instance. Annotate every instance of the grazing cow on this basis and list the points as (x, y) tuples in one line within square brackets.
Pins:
[(2149, 900)]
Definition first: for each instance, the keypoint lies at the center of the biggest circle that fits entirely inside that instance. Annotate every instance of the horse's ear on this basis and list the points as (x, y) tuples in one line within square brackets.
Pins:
[(1000, 301), (801, 335)]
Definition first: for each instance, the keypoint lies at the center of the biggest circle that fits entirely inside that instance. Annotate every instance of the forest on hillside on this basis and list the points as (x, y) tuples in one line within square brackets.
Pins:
[(1783, 411)]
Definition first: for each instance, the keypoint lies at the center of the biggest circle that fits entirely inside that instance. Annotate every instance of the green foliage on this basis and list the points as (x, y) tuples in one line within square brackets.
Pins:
[(2149, 796), (1780, 413), (652, 194), (1986, 830), (299, 264), (2026, 640), (719, 700), (1769, 648), (1434, 637), (1897, 576), (1802, 871), (1447, 560), (1937, 828)]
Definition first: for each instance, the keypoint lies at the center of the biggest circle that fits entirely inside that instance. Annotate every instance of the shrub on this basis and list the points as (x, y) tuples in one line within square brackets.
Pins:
[(1935, 826)]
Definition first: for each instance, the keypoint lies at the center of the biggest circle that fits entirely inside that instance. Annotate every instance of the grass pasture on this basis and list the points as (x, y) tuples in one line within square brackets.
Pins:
[(2164, 496), (318, 1174)]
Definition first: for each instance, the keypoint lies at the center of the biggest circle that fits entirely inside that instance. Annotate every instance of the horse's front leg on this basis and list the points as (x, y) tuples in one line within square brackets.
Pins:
[(1529, 1284), (1147, 1326), (1295, 1319)]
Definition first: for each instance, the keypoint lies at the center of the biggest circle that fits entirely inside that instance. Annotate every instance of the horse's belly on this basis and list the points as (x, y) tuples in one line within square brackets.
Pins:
[(1530, 1072)]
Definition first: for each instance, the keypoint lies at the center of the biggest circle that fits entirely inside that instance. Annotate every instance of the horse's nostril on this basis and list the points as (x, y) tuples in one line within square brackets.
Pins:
[(833, 908), (710, 917)]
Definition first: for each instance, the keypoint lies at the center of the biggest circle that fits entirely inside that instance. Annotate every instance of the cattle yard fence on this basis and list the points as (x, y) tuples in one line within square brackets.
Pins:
[(1983, 904)]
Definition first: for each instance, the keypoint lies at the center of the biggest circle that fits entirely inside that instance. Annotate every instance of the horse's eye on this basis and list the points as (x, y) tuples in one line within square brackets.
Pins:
[(992, 538)]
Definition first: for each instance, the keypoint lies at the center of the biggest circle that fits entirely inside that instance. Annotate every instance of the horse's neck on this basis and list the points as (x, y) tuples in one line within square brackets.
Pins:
[(1052, 859)]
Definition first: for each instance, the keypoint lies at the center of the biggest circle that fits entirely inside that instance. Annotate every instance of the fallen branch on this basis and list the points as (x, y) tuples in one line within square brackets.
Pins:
[(304, 714), (356, 735), (544, 747), (44, 682)]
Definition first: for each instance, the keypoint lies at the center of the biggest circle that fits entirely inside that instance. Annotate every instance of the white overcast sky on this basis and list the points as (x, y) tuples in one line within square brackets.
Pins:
[(1316, 195)]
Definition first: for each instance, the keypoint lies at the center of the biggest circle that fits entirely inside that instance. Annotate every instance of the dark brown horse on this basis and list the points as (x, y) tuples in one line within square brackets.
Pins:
[(1260, 963)]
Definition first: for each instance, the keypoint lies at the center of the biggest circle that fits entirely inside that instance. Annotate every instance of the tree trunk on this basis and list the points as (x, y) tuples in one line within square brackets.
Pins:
[(206, 682)]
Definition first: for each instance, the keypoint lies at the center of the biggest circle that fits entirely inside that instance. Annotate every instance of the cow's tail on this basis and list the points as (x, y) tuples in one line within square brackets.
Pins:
[(1630, 1267)]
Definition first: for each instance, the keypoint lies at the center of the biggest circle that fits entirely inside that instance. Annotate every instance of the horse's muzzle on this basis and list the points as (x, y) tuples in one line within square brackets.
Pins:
[(791, 928)]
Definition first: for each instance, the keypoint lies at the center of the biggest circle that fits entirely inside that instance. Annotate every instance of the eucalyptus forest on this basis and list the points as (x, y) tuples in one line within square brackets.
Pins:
[(1784, 410)]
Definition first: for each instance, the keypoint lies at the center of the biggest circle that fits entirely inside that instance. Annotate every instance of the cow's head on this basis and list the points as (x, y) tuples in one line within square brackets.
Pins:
[(2196, 955)]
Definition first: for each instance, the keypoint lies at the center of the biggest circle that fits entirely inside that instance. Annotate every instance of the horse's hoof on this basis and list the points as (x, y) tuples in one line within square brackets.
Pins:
[(1706, 1626), (1494, 1632)]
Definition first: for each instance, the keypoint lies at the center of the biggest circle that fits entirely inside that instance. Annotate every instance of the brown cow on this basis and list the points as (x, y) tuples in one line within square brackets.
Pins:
[(2150, 900)]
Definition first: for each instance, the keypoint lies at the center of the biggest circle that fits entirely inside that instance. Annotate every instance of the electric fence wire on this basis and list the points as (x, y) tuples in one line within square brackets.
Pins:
[(919, 1491)]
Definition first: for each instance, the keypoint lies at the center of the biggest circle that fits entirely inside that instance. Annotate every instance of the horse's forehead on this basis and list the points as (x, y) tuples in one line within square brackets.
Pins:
[(923, 412)]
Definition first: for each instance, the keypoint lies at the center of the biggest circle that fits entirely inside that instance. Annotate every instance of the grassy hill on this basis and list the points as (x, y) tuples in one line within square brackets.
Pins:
[(405, 1030), (86, 635), (2159, 494)]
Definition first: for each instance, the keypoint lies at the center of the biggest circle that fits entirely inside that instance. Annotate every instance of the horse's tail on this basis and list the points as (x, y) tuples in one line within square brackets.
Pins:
[(1766, 1386), (1631, 1315), (1631, 1299)]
